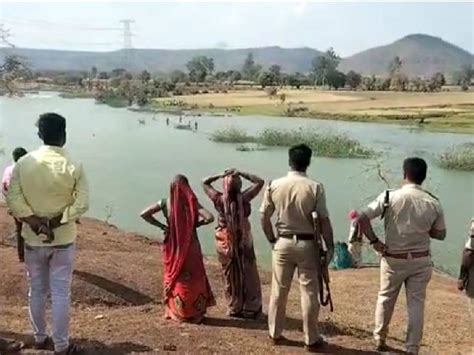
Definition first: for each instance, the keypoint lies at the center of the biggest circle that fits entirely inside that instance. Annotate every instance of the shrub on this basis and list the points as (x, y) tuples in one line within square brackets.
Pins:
[(231, 135), (459, 157)]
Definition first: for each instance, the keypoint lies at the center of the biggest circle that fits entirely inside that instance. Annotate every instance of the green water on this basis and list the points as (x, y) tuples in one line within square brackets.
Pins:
[(129, 165)]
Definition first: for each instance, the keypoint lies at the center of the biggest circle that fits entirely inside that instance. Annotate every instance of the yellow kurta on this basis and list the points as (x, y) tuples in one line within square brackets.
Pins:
[(47, 183)]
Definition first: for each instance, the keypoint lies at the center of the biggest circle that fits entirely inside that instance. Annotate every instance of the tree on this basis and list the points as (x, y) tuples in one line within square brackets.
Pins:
[(395, 66), (93, 72), (178, 76), (103, 75), (13, 68), (398, 82), (336, 79), (325, 65), (145, 76), (466, 74), (118, 72), (128, 76), (200, 67), (353, 79), (436, 82), (368, 82), (276, 71), (234, 75), (250, 69), (266, 79)]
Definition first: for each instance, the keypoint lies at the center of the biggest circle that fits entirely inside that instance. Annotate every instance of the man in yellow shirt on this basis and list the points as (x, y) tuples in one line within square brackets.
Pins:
[(48, 192)]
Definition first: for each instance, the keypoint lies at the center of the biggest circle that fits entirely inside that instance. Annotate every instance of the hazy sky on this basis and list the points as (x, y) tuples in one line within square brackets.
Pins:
[(348, 27)]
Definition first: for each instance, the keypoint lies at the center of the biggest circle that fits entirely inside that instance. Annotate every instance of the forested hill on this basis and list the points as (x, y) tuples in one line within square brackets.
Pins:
[(421, 55), (164, 60)]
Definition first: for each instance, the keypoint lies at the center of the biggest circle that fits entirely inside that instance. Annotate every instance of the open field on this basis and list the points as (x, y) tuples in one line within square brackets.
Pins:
[(444, 111), (117, 305)]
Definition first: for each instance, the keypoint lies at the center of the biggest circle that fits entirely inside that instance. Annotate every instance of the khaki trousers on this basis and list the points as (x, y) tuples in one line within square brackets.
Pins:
[(415, 274), (288, 255)]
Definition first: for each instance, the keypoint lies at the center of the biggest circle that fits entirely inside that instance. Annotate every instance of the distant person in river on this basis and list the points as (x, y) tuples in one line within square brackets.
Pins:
[(187, 292), (7, 175), (234, 242)]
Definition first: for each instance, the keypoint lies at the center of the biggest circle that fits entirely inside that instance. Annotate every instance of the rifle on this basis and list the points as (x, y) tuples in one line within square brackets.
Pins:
[(323, 275), (20, 242)]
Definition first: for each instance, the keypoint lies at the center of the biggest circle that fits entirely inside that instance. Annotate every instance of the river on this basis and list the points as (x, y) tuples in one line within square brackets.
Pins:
[(129, 165)]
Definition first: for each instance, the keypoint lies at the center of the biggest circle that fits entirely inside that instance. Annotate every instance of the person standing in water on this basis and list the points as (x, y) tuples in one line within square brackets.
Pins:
[(7, 175), (234, 242), (187, 292)]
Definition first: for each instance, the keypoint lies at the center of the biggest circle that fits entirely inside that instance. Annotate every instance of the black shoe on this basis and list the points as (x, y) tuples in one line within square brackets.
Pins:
[(281, 340), (315, 347), (8, 346), (381, 346), (72, 349), (47, 344)]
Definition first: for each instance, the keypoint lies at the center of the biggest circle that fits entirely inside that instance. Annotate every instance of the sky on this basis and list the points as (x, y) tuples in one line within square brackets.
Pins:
[(347, 27)]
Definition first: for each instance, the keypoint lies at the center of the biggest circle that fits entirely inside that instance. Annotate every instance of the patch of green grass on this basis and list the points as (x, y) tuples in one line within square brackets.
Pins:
[(231, 135), (460, 157), (325, 144)]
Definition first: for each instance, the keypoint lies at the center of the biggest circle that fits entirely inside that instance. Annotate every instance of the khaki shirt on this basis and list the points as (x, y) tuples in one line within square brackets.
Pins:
[(47, 183), (411, 215), (470, 241), (294, 198)]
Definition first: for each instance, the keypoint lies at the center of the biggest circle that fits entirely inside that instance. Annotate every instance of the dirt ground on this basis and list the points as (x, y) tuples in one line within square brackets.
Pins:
[(117, 308), (448, 110)]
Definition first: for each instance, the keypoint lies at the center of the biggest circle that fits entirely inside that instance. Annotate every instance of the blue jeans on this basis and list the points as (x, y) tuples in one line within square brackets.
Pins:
[(50, 269)]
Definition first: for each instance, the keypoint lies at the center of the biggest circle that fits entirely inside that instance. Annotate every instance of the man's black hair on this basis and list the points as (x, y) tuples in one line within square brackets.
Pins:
[(414, 170), (300, 157), (52, 128), (18, 153)]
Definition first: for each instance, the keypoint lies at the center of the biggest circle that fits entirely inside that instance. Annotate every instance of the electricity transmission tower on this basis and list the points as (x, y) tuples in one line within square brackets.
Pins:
[(127, 42)]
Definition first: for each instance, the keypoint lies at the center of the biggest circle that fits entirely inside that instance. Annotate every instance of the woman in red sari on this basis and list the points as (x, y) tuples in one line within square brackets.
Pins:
[(187, 291), (234, 242)]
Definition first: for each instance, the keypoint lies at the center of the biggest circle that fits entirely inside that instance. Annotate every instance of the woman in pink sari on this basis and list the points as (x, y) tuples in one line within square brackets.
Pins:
[(187, 291), (234, 242)]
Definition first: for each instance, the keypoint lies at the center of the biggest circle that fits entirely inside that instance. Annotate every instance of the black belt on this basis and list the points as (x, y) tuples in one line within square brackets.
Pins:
[(61, 246), (297, 236)]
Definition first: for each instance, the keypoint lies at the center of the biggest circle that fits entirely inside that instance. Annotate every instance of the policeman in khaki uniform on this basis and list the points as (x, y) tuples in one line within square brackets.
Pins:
[(412, 217), (294, 198), (466, 277)]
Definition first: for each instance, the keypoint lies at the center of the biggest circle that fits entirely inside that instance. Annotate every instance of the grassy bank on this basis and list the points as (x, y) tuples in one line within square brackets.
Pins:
[(451, 111), (324, 144), (459, 157)]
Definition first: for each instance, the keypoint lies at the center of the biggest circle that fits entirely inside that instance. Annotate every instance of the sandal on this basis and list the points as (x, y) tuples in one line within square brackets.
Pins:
[(10, 346), (73, 349)]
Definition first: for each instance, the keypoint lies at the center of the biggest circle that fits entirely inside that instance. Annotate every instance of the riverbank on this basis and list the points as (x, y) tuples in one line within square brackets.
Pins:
[(117, 306), (447, 111)]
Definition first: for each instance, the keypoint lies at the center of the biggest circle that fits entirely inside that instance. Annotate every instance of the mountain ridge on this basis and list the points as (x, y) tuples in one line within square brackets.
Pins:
[(421, 54)]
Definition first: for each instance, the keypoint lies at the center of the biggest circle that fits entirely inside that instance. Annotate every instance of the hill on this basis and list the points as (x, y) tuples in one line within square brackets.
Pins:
[(422, 55), (117, 308), (164, 60)]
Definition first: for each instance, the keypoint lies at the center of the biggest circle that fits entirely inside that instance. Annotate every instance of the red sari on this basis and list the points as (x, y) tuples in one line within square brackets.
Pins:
[(186, 287)]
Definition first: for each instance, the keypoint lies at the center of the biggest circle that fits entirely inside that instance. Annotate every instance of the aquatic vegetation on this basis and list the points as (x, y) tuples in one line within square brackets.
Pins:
[(250, 148), (231, 135), (325, 144), (460, 157)]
